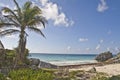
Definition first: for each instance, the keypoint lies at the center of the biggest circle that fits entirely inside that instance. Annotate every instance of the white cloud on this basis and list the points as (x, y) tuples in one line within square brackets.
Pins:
[(68, 48), (3, 5), (117, 49), (88, 49), (43, 2), (83, 39), (98, 47), (102, 6), (10, 36), (101, 41), (53, 12), (108, 49)]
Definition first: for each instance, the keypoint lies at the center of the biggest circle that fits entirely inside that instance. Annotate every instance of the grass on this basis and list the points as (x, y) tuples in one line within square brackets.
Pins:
[(29, 74), (48, 74)]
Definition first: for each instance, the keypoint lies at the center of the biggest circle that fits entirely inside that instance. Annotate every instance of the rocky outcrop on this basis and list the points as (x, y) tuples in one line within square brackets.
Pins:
[(84, 76), (92, 70), (47, 65), (104, 56), (115, 59), (36, 63)]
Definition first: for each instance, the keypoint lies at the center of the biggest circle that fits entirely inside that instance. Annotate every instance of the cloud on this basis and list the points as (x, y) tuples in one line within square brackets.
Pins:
[(83, 39), (108, 49), (101, 41), (88, 49), (98, 47), (53, 12), (3, 5), (43, 2), (10, 36), (102, 6), (69, 48)]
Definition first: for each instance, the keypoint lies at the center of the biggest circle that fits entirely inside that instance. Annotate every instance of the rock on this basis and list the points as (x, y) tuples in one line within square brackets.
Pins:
[(82, 76), (34, 67), (104, 56), (115, 59), (40, 64), (47, 65), (4, 71), (92, 70), (34, 61)]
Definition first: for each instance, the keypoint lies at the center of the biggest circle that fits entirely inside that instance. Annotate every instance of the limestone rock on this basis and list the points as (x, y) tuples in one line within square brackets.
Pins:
[(92, 70), (115, 59), (47, 65), (34, 61), (104, 56)]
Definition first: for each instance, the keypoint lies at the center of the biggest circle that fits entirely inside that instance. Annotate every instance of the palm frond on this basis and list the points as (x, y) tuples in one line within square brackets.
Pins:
[(6, 25), (36, 30), (27, 5), (37, 20), (11, 12), (18, 7), (12, 19), (8, 32), (41, 20)]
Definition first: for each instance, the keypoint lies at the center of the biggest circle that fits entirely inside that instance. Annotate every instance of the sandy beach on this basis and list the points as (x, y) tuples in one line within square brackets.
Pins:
[(110, 69)]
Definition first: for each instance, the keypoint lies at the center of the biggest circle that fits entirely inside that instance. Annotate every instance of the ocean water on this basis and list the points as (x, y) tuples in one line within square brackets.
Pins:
[(64, 59)]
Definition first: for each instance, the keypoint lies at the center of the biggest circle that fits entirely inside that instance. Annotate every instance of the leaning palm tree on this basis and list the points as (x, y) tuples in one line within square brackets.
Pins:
[(29, 16)]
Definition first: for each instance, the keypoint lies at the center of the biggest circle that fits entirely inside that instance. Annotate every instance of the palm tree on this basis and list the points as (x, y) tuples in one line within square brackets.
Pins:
[(29, 16)]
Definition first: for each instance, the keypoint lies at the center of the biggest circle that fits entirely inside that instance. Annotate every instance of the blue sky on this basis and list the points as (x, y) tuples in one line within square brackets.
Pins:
[(74, 26)]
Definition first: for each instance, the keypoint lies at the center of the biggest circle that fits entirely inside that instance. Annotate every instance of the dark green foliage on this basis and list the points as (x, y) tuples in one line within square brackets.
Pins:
[(73, 73), (100, 76), (2, 77), (115, 77), (28, 16), (29, 74)]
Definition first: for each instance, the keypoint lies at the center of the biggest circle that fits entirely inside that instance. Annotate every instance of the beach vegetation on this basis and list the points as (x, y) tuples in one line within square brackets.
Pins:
[(100, 76), (17, 20), (2, 77), (29, 74), (117, 77)]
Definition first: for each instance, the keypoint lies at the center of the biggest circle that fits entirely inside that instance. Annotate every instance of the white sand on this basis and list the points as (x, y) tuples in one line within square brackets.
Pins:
[(111, 69)]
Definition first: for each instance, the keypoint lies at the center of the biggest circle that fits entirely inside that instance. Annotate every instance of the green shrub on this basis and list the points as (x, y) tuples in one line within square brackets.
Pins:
[(115, 77), (2, 77), (29, 74), (100, 76)]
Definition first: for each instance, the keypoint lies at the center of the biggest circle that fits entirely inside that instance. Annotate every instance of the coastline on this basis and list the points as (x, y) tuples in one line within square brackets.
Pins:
[(65, 59), (75, 62), (81, 65), (109, 69)]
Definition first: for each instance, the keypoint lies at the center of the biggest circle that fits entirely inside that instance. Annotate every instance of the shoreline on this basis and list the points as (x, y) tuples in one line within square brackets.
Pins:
[(75, 62), (110, 69), (81, 65)]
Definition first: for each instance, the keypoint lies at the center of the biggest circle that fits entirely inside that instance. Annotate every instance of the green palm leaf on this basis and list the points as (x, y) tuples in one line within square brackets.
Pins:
[(8, 32), (36, 30), (28, 16)]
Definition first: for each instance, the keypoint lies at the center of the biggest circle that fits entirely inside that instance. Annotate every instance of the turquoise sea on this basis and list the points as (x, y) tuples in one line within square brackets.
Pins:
[(64, 59)]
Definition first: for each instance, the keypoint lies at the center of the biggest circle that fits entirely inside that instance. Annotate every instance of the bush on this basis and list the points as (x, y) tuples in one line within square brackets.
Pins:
[(2, 77), (29, 74), (100, 76), (115, 77)]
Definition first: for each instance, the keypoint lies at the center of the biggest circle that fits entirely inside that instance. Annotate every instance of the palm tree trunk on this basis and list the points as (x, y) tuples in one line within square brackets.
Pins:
[(21, 48)]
